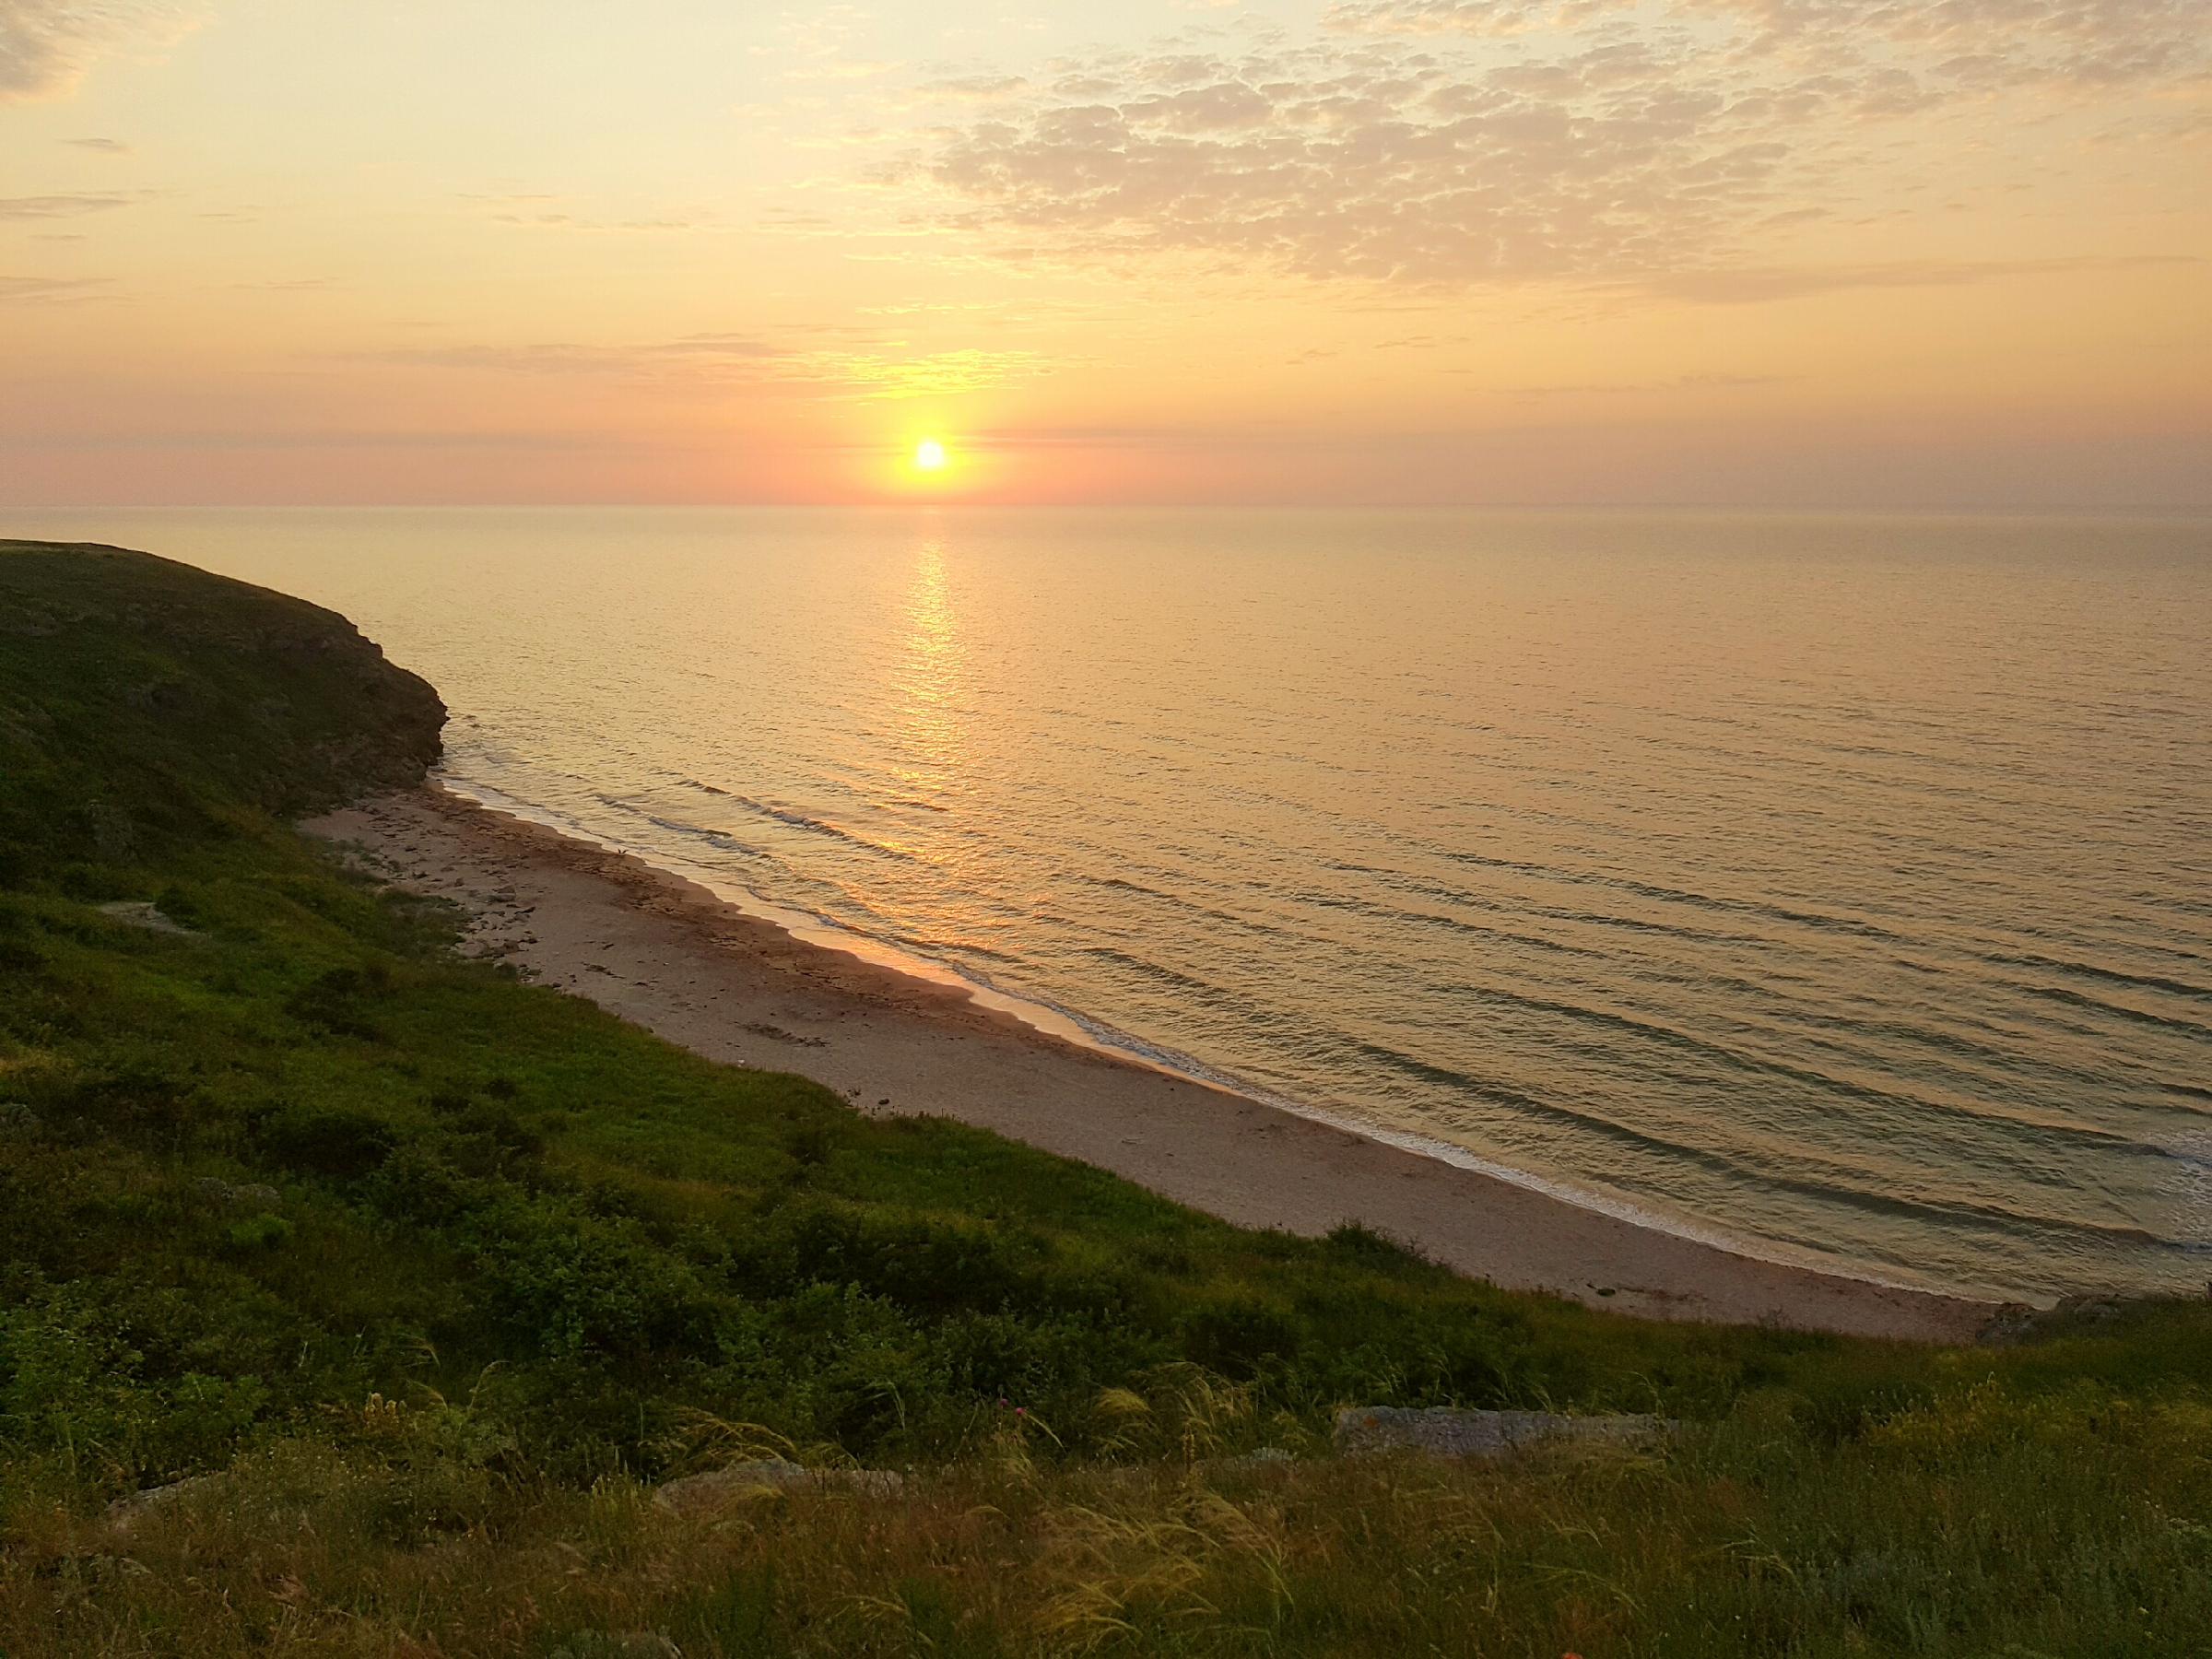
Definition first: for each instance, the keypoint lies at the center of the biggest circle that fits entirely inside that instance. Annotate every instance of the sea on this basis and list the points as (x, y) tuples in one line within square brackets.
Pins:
[(1836, 886)]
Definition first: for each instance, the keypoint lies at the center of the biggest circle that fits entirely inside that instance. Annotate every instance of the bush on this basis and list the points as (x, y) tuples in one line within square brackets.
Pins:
[(1240, 1335), (260, 1232), (337, 1143)]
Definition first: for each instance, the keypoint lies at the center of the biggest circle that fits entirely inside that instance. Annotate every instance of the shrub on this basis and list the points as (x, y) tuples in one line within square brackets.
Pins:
[(259, 1232), (337, 1143)]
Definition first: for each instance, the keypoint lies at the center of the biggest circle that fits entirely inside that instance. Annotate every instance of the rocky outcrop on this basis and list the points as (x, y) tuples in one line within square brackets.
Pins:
[(127, 1512)]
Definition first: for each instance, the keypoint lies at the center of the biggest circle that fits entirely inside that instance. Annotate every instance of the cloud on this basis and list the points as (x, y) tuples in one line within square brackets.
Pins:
[(1362, 162), (1680, 382), (689, 355), (563, 221), (1944, 46), (61, 206), (47, 46), (540, 211), (302, 437), (1752, 285), (884, 374), (935, 373), (16, 289), (106, 146), (1445, 143)]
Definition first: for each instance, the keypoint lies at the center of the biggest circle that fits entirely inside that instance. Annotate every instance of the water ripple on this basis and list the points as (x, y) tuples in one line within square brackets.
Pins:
[(1837, 884)]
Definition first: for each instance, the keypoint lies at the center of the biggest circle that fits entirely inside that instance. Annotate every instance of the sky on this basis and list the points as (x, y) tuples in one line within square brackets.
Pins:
[(1773, 253)]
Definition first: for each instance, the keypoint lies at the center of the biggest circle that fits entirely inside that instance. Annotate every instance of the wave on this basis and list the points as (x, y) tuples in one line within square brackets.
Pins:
[(1736, 1170), (2143, 1017), (713, 838), (2142, 981), (782, 815), (1666, 895)]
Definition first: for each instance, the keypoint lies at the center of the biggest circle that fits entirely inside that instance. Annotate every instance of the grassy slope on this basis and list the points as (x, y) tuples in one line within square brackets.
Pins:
[(557, 1255)]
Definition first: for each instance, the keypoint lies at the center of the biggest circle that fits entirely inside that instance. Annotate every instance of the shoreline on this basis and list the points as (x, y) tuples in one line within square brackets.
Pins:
[(825, 935), (713, 975), (1053, 1020)]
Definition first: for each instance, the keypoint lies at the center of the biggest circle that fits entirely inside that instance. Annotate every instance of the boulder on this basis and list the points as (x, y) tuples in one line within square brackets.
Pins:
[(127, 1512)]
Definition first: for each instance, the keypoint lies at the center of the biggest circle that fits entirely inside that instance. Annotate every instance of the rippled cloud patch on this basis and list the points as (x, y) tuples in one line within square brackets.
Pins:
[(46, 44), (1454, 142)]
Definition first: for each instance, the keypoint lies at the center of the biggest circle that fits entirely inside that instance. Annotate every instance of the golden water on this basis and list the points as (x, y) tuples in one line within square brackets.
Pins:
[(1840, 885)]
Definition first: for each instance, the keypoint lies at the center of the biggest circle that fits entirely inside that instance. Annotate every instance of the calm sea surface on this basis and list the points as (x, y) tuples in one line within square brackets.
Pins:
[(1842, 886)]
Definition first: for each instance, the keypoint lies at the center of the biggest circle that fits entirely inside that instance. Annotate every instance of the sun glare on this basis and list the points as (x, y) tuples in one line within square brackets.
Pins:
[(929, 454)]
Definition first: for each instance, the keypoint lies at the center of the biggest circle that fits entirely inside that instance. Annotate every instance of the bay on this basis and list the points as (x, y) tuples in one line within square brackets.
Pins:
[(1836, 885)]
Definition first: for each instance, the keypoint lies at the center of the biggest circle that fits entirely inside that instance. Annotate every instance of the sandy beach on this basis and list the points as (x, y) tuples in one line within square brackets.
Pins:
[(672, 956)]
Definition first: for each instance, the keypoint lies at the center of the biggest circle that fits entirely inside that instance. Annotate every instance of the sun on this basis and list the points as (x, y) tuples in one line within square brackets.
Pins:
[(929, 454)]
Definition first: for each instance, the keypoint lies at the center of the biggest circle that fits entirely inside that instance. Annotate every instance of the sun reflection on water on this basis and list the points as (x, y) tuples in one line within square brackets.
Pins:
[(932, 742)]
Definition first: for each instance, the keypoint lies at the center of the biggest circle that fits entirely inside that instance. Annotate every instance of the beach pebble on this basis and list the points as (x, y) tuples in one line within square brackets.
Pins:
[(1444, 1431)]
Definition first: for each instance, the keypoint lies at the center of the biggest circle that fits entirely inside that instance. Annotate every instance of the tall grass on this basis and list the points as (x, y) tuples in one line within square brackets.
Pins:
[(1975, 1524)]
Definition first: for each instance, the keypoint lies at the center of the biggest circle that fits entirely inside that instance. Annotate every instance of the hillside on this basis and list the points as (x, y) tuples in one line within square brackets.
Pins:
[(144, 704), (439, 1270)]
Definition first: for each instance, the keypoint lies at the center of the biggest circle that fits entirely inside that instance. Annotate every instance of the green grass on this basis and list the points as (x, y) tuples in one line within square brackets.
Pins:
[(1975, 1525), (146, 706), (515, 1257)]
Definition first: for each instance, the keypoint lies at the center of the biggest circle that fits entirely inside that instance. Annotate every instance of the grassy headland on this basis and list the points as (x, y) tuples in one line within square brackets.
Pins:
[(436, 1269)]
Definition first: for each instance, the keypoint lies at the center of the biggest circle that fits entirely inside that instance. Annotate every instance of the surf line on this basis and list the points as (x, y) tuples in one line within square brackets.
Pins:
[(827, 933)]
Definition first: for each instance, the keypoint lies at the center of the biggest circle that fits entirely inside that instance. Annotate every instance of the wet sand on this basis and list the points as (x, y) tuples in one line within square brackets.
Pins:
[(669, 956)]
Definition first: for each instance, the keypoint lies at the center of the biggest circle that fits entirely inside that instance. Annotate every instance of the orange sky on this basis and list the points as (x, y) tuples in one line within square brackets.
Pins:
[(1817, 252)]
